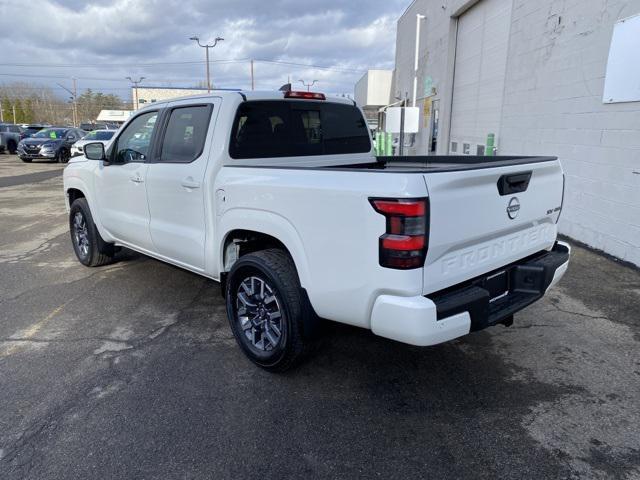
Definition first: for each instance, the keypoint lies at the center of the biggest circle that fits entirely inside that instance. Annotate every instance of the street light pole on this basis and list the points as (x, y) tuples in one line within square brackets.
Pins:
[(207, 47), (135, 90), (308, 85)]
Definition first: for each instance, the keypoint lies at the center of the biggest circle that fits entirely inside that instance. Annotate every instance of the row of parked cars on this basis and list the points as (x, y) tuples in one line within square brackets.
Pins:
[(47, 142)]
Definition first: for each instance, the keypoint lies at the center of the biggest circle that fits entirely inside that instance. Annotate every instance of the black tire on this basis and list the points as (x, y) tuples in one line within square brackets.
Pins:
[(63, 156), (274, 267), (12, 147), (25, 160), (89, 247)]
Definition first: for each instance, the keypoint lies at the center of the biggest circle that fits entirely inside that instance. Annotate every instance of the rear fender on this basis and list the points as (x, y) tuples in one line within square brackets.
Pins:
[(268, 223)]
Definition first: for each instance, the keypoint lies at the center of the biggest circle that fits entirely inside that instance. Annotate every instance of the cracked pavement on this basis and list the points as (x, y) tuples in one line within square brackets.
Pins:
[(130, 371)]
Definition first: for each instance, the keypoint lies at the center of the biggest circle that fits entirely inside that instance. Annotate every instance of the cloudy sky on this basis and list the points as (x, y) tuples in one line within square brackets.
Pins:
[(102, 42)]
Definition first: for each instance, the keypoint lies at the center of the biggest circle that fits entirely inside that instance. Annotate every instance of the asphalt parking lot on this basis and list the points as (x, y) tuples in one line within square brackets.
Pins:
[(130, 371)]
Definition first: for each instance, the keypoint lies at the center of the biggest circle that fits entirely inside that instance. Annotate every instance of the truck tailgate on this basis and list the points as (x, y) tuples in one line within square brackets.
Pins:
[(484, 219)]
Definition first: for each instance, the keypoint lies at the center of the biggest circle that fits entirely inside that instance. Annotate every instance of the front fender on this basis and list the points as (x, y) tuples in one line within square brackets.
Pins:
[(268, 223), (78, 183)]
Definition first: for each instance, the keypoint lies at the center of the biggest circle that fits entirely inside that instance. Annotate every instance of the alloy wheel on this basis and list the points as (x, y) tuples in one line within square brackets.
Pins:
[(81, 234), (258, 314)]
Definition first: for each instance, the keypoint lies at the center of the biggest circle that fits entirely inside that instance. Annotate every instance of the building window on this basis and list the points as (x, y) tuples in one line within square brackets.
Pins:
[(466, 148), (153, 100), (454, 147), (142, 100), (480, 150)]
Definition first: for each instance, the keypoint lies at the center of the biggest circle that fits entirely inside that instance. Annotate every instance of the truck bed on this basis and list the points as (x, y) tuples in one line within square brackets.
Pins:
[(443, 163)]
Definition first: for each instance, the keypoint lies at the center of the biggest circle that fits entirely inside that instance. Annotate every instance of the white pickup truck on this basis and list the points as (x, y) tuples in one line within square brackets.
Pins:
[(280, 197)]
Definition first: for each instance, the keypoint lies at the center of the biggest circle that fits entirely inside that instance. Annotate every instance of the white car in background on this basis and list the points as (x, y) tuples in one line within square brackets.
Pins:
[(102, 136)]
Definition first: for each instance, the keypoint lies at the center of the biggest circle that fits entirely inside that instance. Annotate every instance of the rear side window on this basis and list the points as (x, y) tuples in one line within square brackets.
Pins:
[(186, 133), (267, 129)]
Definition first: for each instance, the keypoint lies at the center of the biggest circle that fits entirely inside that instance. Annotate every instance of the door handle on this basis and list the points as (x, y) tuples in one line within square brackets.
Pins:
[(190, 183), (136, 179)]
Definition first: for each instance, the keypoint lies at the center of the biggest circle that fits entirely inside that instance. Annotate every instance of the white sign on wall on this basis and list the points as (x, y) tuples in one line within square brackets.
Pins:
[(622, 82), (411, 119)]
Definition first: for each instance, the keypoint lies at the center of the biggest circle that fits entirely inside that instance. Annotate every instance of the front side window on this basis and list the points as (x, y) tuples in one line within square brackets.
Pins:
[(264, 129), (134, 142), (186, 133)]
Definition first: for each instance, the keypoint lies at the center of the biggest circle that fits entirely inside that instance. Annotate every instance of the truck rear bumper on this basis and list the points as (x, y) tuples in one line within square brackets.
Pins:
[(474, 305)]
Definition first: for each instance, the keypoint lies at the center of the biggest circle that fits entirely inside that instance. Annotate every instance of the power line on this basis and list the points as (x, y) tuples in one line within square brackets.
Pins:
[(96, 65), (158, 64)]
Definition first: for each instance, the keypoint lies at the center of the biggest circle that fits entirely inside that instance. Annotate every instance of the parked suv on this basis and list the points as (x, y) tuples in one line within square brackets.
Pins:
[(29, 130), (50, 144), (280, 197), (9, 137), (102, 136)]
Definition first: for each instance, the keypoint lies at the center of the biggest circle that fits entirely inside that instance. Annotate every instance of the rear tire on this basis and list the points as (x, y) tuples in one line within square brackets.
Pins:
[(88, 245), (12, 147), (265, 309)]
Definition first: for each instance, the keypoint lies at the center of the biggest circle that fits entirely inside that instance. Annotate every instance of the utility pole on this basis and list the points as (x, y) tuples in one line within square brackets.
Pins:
[(73, 93), (75, 103), (253, 85), (308, 85), (135, 84), (13, 107), (207, 47), (415, 65)]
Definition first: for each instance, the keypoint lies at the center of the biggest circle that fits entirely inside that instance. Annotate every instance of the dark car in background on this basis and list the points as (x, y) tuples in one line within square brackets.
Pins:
[(30, 129), (9, 137), (50, 144)]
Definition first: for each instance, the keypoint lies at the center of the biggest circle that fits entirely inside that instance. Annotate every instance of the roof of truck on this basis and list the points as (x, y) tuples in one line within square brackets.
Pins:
[(250, 95)]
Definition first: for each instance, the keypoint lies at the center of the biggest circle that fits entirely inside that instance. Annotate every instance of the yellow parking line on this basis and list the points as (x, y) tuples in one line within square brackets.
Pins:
[(30, 332)]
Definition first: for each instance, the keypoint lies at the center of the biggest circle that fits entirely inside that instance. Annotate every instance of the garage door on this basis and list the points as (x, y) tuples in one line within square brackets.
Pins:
[(481, 58)]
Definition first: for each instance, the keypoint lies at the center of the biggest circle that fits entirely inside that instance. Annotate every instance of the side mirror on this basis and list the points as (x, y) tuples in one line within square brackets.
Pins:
[(95, 151)]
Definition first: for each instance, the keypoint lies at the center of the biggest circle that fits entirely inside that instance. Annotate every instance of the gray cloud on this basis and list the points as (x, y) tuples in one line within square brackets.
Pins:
[(334, 33)]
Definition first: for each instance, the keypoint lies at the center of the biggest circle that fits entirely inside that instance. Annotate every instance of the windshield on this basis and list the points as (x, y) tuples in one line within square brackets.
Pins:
[(99, 135), (52, 133)]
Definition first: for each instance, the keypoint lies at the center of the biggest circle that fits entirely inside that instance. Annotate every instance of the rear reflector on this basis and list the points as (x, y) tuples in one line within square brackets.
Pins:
[(403, 242), (305, 95), (404, 245)]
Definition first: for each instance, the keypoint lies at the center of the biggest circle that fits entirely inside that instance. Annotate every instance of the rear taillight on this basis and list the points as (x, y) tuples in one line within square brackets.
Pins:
[(404, 245)]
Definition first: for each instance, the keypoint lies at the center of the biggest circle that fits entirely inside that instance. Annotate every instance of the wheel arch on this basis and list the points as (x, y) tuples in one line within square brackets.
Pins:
[(253, 230), (75, 188)]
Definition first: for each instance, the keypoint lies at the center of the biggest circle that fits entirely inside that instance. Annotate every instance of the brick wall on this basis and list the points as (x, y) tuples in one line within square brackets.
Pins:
[(552, 105)]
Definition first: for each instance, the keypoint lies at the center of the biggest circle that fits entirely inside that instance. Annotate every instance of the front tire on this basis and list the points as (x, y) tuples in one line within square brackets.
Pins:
[(88, 245), (25, 160), (264, 308), (63, 156), (12, 147)]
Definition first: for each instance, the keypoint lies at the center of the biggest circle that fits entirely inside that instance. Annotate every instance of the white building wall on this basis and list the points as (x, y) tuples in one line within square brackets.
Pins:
[(374, 88), (552, 105), (151, 95)]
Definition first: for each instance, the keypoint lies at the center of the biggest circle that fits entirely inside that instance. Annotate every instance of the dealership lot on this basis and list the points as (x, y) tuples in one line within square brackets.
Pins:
[(130, 370)]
